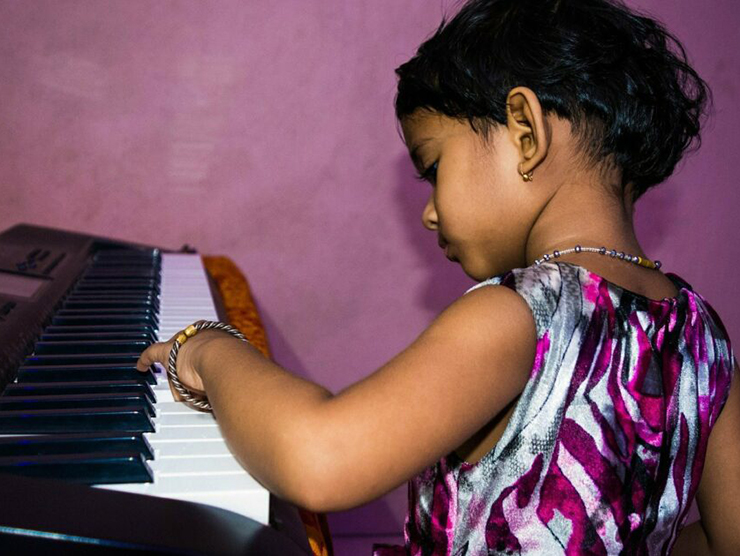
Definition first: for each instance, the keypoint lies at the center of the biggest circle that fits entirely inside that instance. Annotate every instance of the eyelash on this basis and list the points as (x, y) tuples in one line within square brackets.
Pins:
[(429, 174)]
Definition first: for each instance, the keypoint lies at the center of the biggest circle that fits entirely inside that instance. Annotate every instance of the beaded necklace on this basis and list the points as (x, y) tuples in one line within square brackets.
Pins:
[(646, 263)]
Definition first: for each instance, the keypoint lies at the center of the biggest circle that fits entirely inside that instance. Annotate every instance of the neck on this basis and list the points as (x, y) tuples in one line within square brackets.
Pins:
[(579, 213)]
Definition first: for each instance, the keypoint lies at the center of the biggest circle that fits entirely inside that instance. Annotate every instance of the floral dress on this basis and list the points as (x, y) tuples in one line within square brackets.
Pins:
[(605, 448)]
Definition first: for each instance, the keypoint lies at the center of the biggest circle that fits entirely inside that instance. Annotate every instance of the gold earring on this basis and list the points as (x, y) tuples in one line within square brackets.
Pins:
[(526, 176)]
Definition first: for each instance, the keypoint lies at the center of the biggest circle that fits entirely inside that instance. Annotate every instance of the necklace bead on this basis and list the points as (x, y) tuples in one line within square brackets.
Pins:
[(613, 253)]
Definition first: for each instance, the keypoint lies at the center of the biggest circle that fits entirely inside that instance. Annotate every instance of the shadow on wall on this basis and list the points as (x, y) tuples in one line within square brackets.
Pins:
[(444, 281)]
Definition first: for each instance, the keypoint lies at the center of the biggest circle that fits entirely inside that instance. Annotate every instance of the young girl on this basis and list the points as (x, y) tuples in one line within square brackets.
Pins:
[(565, 404)]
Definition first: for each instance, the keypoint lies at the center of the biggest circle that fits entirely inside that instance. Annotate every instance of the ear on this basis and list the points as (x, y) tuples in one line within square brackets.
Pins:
[(527, 127)]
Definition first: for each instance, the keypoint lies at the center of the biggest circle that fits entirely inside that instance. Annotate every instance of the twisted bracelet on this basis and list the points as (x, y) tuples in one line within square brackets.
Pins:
[(198, 401)]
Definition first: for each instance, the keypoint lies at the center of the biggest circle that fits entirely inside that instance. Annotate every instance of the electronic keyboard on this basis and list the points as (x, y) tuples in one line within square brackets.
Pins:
[(81, 428)]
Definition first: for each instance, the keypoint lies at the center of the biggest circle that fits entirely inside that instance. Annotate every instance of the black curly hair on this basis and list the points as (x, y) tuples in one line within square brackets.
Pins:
[(619, 77)]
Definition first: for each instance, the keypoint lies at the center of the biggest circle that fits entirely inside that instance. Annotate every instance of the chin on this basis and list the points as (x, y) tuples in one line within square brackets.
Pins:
[(481, 272), (473, 273)]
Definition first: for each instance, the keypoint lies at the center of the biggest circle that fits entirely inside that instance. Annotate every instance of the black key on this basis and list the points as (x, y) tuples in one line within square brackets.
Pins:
[(121, 274), (104, 320), (124, 253), (44, 421), (116, 286), (71, 401), (73, 388), (143, 311), (100, 346), (101, 329), (81, 359), (114, 294), (107, 303), (90, 469), (99, 336), (83, 373), (83, 443), (126, 263), (126, 297)]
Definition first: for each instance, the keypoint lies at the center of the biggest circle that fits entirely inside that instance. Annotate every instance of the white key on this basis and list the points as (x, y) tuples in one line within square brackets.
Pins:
[(204, 448)]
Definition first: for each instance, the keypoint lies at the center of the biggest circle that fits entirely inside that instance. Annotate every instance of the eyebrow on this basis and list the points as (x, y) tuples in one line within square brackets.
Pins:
[(415, 151)]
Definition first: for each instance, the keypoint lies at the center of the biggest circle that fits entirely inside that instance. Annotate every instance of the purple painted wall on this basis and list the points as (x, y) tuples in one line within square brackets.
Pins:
[(265, 131)]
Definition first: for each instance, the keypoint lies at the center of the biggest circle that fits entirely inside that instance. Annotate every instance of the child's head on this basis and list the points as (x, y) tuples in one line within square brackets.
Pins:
[(619, 78)]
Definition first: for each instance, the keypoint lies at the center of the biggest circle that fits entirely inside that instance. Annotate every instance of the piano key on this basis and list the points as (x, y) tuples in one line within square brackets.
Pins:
[(120, 267), (189, 419), (44, 421), (103, 311), (180, 448), (82, 373), (113, 295), (171, 407), (100, 329), (103, 286), (80, 303), (100, 468), (44, 347), (164, 393), (119, 273), (82, 359), (83, 443), (71, 401), (105, 320), (96, 387), (109, 304), (98, 336), (179, 434), (199, 466)]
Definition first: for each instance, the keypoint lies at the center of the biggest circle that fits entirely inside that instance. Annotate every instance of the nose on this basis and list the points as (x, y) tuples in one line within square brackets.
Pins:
[(429, 215)]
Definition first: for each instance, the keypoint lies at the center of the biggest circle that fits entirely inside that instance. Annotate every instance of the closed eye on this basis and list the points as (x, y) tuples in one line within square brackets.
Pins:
[(429, 174)]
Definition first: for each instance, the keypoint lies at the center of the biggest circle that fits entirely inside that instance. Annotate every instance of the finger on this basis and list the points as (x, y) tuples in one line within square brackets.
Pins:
[(155, 352)]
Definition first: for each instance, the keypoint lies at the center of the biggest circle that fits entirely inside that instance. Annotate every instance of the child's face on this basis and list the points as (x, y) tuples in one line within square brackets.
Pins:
[(477, 204)]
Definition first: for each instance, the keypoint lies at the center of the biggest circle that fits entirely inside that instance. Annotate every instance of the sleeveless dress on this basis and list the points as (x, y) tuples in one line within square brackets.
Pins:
[(604, 450)]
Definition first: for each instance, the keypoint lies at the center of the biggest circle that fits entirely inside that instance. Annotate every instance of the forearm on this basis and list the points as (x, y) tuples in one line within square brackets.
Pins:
[(266, 414)]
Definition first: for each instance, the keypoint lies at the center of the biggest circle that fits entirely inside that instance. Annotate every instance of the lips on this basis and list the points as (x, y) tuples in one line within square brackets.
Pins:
[(442, 242)]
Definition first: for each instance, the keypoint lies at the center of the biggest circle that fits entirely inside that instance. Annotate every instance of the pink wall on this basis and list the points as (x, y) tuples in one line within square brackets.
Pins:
[(265, 131)]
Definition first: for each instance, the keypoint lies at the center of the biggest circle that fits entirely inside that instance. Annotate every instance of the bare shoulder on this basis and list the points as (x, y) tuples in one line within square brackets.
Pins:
[(492, 321), (491, 331), (493, 300)]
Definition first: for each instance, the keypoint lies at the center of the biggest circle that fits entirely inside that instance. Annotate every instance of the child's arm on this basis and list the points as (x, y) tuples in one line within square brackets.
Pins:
[(327, 452), (718, 498)]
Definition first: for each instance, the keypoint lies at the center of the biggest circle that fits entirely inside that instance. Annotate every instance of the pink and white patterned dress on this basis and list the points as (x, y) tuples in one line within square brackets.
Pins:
[(605, 448)]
